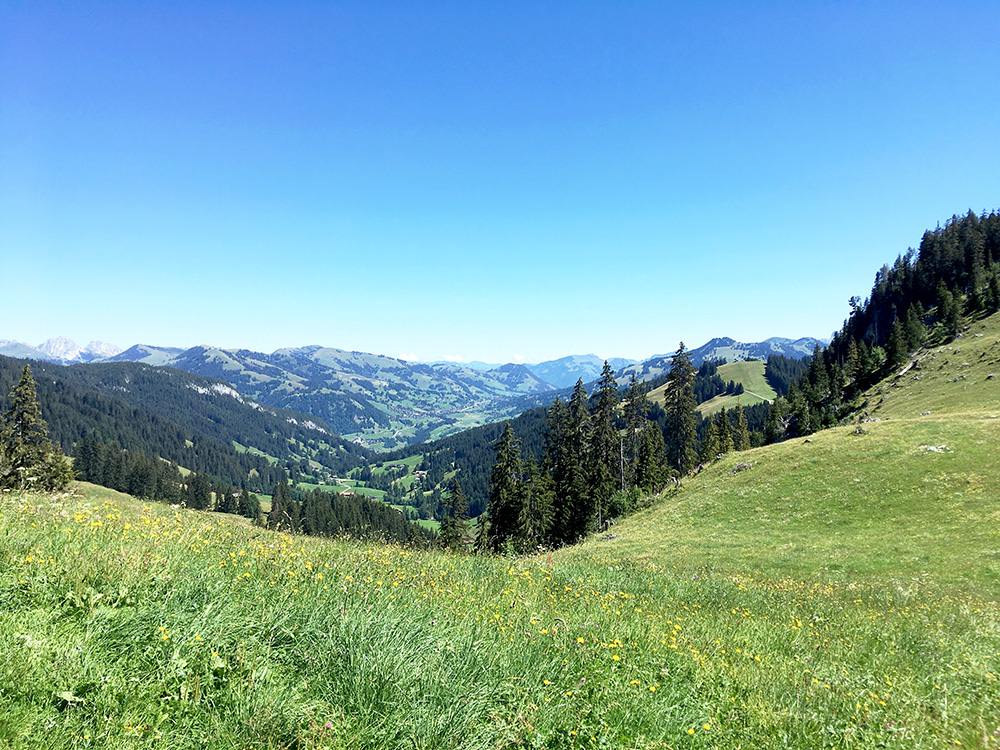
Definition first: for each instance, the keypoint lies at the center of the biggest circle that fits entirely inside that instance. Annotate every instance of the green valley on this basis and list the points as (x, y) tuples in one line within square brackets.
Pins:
[(381, 402), (836, 586), (837, 591)]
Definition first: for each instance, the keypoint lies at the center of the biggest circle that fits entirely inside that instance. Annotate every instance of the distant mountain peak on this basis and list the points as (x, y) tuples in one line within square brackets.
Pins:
[(510, 367), (721, 341), (102, 349), (60, 348)]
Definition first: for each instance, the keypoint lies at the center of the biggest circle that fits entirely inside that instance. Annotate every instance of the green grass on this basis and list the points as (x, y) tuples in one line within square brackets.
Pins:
[(840, 507), (713, 405), (345, 485), (842, 592), (749, 373), (255, 452), (408, 481), (411, 461), (770, 606), (962, 376), (309, 486), (751, 376)]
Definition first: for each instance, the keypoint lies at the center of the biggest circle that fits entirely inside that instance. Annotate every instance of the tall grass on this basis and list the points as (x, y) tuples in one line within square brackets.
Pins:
[(130, 625)]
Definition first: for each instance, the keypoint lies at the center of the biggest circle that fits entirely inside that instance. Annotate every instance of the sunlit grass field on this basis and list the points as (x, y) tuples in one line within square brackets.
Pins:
[(748, 373), (130, 625), (842, 592)]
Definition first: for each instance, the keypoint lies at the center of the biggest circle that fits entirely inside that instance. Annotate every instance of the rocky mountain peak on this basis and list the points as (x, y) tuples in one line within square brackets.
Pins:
[(60, 347)]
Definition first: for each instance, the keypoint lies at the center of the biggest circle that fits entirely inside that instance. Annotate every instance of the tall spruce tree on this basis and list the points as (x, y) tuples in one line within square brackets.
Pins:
[(679, 404), (651, 473), (993, 295), (948, 311), (710, 447), (503, 509), (852, 362), (800, 416), (605, 462), (636, 408), (725, 427), (741, 430), (482, 543), (225, 499), (577, 495), (897, 347), (199, 492), (916, 331), (284, 512), (535, 522), (455, 522), (28, 459), (248, 505)]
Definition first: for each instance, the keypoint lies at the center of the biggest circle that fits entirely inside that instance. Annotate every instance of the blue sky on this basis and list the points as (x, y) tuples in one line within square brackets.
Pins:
[(493, 181)]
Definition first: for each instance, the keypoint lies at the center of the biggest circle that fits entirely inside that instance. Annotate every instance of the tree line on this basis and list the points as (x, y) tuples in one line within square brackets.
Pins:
[(599, 455), (30, 460), (167, 416), (319, 513), (152, 478), (923, 298)]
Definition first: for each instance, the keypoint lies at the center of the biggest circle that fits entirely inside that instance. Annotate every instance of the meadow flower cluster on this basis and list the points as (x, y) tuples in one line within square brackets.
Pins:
[(131, 625)]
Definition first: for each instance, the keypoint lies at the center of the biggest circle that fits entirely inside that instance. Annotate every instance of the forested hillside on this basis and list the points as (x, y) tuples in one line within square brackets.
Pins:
[(198, 423), (928, 296), (382, 401), (470, 454)]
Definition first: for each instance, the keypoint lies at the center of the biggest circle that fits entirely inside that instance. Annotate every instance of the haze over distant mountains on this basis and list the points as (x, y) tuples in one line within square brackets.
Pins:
[(59, 350), (385, 402), (561, 373)]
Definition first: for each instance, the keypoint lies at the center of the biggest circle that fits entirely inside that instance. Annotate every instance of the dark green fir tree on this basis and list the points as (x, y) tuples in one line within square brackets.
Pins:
[(503, 508), (284, 511), (651, 472), (679, 404), (455, 522), (605, 464), (199, 492), (741, 430), (28, 459)]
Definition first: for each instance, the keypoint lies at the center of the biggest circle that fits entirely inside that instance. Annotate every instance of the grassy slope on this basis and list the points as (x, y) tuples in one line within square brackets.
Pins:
[(750, 374), (962, 376), (840, 593), (840, 507)]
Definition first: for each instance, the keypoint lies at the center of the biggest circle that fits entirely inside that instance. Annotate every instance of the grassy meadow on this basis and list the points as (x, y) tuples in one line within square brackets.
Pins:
[(749, 373), (836, 592)]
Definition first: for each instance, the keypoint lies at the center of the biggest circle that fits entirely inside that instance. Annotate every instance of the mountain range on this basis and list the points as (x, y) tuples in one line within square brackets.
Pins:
[(384, 402), (722, 348), (60, 350)]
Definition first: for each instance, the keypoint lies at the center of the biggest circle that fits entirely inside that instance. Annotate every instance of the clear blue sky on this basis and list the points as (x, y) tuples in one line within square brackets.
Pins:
[(493, 181)]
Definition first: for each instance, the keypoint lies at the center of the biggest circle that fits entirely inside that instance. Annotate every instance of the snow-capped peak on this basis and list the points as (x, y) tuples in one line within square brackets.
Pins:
[(101, 349), (60, 348)]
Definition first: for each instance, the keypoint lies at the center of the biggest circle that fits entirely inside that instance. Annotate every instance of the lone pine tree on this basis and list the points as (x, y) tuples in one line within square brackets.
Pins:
[(28, 459)]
